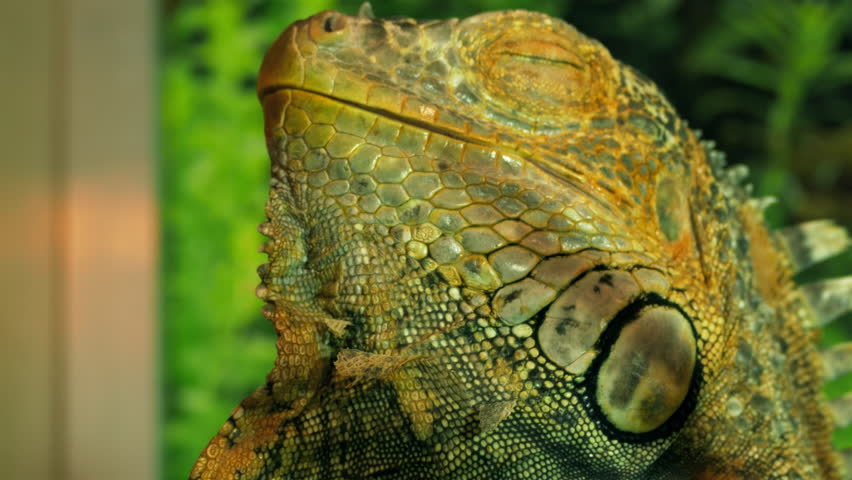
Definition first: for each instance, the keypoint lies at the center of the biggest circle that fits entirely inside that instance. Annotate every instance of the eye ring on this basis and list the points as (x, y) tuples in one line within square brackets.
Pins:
[(606, 344)]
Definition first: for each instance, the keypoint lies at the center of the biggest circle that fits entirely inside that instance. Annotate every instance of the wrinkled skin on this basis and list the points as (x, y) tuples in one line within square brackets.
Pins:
[(498, 253)]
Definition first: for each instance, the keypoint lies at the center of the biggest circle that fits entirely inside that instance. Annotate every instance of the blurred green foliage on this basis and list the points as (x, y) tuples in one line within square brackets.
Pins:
[(769, 80)]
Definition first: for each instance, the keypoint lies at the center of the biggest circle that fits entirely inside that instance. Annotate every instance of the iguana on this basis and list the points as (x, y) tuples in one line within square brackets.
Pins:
[(498, 253)]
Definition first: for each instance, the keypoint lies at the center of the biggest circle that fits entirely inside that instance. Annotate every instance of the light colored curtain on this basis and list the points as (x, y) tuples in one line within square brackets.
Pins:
[(78, 240)]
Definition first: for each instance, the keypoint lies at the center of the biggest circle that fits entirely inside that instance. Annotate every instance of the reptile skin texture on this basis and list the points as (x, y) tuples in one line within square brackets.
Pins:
[(498, 253)]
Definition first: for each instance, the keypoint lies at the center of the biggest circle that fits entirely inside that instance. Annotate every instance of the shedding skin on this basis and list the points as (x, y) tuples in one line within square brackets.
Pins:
[(496, 253)]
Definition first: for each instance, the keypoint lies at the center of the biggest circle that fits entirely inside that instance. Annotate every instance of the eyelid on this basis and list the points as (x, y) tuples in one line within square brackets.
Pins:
[(540, 51), (542, 75)]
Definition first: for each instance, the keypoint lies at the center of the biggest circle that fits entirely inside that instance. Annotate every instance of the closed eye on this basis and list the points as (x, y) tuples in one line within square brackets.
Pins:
[(542, 59)]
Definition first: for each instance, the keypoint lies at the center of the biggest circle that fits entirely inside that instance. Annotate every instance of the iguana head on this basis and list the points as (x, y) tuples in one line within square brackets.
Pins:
[(496, 252)]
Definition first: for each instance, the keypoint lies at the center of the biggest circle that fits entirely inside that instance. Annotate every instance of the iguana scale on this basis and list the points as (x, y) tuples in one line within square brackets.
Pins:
[(498, 253)]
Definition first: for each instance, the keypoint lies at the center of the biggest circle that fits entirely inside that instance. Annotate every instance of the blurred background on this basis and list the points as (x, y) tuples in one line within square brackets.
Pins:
[(78, 240), (141, 175)]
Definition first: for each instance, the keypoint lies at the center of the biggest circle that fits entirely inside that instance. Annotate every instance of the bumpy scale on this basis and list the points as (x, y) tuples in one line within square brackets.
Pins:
[(497, 253)]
